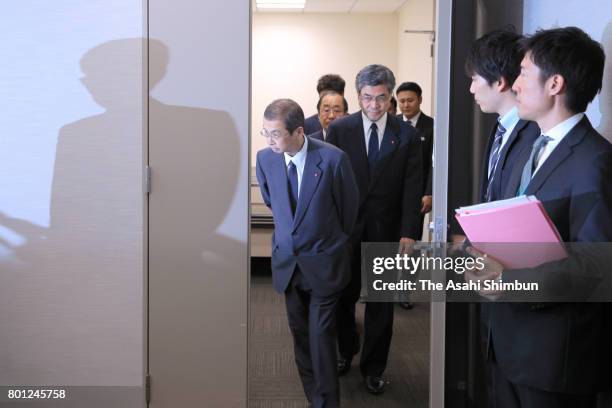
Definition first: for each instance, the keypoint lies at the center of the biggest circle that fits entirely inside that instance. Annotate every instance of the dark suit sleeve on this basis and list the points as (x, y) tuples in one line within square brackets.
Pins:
[(429, 187), (263, 184), (597, 225), (412, 189), (346, 194)]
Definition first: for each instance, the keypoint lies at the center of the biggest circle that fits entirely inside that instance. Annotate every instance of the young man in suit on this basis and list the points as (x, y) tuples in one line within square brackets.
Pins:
[(410, 98), (331, 106), (550, 355), (494, 64), (328, 82), (386, 159), (311, 190)]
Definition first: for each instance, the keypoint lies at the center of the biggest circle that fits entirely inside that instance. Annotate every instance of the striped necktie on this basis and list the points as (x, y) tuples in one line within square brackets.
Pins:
[(494, 158)]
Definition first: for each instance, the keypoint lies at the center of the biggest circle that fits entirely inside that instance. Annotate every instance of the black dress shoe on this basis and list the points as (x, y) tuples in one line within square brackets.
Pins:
[(406, 305), (344, 365), (375, 385)]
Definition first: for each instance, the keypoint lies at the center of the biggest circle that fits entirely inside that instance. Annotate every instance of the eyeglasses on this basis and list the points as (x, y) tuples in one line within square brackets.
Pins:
[(274, 134), (380, 99)]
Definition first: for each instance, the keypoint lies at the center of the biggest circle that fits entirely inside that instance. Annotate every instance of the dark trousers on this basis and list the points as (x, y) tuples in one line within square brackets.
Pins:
[(378, 325), (506, 394), (312, 320)]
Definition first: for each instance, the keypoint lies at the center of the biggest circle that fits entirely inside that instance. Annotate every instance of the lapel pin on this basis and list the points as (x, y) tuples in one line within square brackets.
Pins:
[(393, 142), (316, 174)]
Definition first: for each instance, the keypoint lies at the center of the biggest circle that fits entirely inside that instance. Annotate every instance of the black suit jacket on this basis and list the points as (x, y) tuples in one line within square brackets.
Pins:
[(425, 125), (523, 135), (561, 347), (390, 198), (312, 124)]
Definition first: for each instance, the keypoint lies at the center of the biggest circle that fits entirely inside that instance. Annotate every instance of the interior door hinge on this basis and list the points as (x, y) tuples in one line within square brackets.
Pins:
[(148, 388), (147, 180)]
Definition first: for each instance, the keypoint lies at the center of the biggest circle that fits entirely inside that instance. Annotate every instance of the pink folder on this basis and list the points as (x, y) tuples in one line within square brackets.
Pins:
[(493, 227)]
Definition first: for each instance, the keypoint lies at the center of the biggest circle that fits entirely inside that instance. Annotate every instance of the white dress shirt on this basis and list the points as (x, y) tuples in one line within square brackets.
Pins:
[(557, 134), (413, 120), (299, 160), (381, 123)]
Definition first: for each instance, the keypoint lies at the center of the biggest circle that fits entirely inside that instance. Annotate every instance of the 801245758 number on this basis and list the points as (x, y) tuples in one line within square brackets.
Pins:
[(36, 393)]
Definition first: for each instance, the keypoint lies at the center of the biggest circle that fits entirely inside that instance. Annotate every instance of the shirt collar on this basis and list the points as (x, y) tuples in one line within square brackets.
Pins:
[(509, 119), (560, 130), (381, 123), (299, 157), (414, 119)]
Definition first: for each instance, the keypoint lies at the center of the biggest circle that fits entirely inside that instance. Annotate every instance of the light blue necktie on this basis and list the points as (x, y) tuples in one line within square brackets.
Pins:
[(532, 163)]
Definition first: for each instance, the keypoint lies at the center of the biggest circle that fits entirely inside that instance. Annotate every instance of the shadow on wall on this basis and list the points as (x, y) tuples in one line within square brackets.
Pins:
[(74, 293), (605, 98)]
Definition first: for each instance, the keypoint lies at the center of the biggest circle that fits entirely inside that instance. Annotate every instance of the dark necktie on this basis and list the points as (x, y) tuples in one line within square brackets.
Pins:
[(292, 179), (494, 158), (532, 162), (373, 146)]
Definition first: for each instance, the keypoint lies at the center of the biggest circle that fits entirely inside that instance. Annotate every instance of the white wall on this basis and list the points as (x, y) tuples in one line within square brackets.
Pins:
[(594, 17), (415, 62), (291, 52)]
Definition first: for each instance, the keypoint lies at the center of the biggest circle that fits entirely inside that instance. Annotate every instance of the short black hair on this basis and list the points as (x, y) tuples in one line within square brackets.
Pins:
[(496, 55), (410, 86), (325, 93), (331, 82), (571, 53), (286, 110)]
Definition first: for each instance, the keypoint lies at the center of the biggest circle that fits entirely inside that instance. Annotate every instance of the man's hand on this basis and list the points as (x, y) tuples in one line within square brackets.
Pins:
[(492, 271), (426, 204), (406, 245)]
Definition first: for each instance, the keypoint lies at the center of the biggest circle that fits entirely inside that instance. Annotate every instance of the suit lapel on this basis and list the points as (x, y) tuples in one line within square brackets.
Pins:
[(503, 154), (388, 146), (310, 180), (511, 139), (561, 152)]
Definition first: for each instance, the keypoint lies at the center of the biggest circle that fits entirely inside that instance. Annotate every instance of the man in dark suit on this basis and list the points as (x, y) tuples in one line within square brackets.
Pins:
[(328, 82), (386, 159), (410, 98), (494, 64), (331, 106), (311, 190), (550, 355)]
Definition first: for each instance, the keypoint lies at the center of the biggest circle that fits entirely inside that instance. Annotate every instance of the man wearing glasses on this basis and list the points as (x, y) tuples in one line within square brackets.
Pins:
[(311, 190), (385, 154), (331, 106)]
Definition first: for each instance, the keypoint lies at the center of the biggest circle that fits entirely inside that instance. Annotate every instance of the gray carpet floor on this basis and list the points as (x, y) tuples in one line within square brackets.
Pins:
[(273, 377)]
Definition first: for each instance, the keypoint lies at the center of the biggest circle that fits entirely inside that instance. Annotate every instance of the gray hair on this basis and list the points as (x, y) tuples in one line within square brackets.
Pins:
[(374, 75), (286, 110)]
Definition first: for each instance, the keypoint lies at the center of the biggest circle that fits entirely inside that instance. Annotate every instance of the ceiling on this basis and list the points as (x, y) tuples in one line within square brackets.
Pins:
[(342, 6)]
